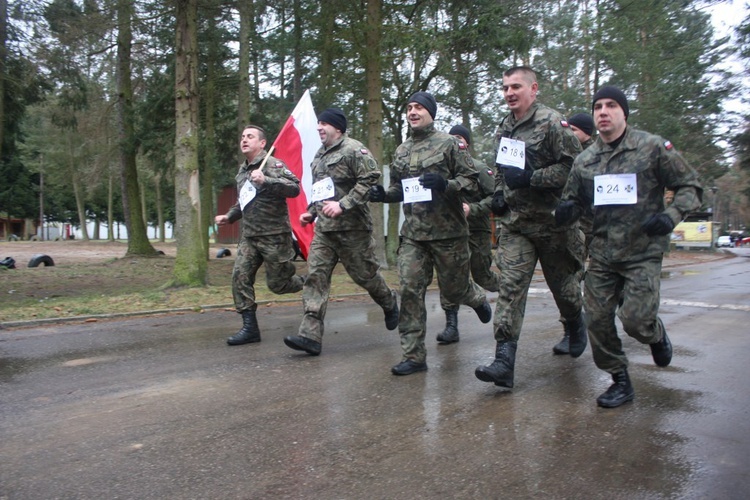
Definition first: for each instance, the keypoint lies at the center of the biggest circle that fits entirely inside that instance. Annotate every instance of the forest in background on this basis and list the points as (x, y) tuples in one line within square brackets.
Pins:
[(114, 108)]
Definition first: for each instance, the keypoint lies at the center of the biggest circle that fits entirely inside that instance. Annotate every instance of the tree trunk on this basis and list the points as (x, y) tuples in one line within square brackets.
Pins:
[(80, 208), (159, 207), (209, 151), (297, 56), (243, 96), (144, 209), (190, 264), (111, 208), (374, 85), (138, 243), (3, 57)]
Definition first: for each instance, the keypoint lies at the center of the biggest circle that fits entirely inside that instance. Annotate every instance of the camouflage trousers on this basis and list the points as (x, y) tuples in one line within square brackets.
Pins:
[(560, 256), (480, 264), (276, 251), (356, 251), (637, 285), (416, 261)]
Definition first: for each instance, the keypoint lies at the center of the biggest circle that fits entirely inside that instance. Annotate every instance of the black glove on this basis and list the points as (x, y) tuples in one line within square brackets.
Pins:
[(498, 205), (377, 193), (658, 225), (565, 213), (516, 178), (433, 181)]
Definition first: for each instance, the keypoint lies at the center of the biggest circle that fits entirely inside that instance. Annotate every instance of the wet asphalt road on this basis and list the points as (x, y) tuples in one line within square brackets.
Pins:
[(160, 407)]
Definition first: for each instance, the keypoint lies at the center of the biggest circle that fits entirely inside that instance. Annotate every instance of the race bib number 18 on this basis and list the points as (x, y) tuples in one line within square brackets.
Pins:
[(511, 153)]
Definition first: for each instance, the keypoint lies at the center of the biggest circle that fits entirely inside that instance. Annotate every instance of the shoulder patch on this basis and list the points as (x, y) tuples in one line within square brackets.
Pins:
[(364, 151), (279, 164), (490, 172), (564, 123), (668, 145), (287, 172)]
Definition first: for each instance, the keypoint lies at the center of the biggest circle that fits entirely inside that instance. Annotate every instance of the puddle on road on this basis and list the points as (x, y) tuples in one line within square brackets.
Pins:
[(672, 274), (87, 361)]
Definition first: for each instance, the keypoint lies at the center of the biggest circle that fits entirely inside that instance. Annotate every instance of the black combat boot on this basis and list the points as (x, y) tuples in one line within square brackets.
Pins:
[(249, 332), (409, 366), (391, 315), (484, 312), (298, 343), (450, 334), (575, 330), (563, 347), (501, 370), (662, 350), (618, 393)]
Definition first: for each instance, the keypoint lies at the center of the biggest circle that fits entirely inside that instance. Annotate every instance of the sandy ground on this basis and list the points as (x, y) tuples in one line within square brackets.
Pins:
[(77, 251)]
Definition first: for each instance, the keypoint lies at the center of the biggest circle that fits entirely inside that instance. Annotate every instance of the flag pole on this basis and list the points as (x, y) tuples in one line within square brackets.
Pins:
[(266, 158)]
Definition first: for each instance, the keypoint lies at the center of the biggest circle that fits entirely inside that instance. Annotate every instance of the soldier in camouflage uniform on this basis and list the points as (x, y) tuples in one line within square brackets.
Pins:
[(435, 232), (264, 184), (536, 149), (582, 126), (630, 234), (477, 211), (343, 171)]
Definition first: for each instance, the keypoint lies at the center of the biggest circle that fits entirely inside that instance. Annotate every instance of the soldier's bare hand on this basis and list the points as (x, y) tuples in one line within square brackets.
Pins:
[(305, 218), (467, 208), (332, 209), (257, 177), (221, 220)]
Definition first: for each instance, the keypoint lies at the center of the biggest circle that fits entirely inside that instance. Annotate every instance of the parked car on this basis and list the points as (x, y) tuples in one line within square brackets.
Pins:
[(724, 241)]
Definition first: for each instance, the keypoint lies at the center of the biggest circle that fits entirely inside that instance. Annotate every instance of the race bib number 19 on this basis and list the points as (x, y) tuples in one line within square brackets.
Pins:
[(615, 189), (414, 192)]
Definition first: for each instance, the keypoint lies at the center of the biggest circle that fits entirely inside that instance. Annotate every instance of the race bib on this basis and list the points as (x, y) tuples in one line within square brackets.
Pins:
[(323, 190), (511, 153), (615, 189), (414, 192), (247, 193)]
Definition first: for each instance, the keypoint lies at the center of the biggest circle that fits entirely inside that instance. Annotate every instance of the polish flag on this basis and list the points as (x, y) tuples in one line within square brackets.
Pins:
[(296, 145)]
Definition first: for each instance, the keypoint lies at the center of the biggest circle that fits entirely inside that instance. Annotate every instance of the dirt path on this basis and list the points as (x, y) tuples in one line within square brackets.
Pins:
[(76, 251)]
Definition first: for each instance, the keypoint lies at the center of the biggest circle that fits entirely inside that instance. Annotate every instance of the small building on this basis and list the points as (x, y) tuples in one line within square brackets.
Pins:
[(230, 233), (12, 228)]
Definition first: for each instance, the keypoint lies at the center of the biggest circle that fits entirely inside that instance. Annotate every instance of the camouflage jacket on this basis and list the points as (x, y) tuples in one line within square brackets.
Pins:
[(586, 222), (551, 147), (617, 233), (429, 150), (267, 213), (479, 203), (353, 170)]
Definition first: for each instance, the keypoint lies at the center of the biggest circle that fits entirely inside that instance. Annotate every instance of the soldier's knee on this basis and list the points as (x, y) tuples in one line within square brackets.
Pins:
[(635, 326)]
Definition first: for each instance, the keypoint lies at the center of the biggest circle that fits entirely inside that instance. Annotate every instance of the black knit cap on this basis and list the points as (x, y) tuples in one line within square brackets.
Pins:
[(335, 117), (610, 92), (462, 131), (426, 100), (583, 121)]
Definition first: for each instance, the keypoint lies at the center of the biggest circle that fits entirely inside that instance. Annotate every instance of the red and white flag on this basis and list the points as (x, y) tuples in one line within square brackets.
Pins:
[(296, 145)]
